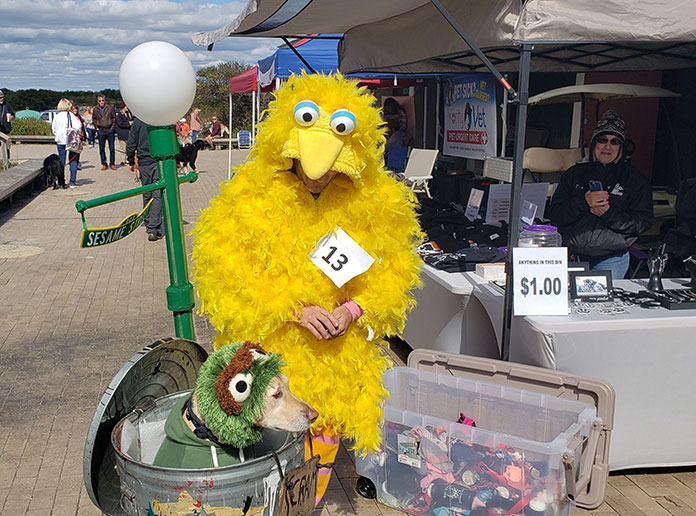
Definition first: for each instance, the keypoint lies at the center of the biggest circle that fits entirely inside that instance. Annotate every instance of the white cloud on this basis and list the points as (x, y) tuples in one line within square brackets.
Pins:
[(79, 44)]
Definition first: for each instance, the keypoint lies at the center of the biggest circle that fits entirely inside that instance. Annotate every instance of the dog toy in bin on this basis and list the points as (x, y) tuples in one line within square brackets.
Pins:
[(310, 250)]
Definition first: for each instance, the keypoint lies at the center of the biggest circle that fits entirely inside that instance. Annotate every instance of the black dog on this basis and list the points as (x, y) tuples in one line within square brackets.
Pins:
[(188, 153), (55, 172)]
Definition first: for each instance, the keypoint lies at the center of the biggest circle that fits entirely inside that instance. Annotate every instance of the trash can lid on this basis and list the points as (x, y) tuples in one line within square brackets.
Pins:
[(164, 367)]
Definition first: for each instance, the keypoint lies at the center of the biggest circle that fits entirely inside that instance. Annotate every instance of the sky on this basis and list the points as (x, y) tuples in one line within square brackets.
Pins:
[(79, 44)]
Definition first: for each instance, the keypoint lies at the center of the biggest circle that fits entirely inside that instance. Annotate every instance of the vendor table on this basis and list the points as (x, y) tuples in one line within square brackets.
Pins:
[(648, 356), (447, 318)]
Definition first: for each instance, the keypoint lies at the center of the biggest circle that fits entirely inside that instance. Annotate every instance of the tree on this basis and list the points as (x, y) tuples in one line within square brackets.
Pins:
[(212, 94)]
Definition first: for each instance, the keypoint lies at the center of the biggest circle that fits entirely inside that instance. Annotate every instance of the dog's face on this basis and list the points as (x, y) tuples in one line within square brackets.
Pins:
[(200, 144), (283, 410)]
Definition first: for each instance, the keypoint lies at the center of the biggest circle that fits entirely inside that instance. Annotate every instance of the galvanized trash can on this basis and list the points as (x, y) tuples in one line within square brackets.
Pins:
[(128, 428)]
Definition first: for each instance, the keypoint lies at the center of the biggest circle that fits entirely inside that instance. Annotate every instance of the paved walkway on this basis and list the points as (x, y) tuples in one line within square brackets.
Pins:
[(71, 317)]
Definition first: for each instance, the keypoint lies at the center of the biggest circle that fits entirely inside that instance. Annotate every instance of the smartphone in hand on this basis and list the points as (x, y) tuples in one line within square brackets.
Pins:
[(596, 186)]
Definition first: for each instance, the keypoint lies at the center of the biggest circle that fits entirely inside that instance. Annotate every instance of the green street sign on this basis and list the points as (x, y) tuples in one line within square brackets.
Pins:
[(94, 237)]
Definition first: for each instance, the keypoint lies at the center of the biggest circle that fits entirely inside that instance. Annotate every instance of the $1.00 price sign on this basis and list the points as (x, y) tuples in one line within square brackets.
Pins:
[(540, 280)]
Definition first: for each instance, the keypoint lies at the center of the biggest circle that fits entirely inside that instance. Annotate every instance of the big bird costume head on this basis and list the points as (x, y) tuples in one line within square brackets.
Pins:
[(317, 165)]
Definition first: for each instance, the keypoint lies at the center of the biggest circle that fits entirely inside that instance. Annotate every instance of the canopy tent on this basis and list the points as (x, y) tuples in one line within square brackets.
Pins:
[(571, 35), (246, 82), (321, 54), (501, 35)]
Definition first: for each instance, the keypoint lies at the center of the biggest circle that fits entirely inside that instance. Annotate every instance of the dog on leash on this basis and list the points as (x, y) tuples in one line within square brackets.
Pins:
[(55, 172), (239, 392), (188, 154)]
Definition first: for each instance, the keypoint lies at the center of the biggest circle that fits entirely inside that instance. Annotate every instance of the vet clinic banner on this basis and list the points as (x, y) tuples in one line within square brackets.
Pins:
[(470, 115)]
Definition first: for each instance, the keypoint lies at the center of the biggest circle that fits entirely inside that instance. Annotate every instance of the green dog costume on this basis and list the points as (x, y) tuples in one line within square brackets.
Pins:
[(229, 394)]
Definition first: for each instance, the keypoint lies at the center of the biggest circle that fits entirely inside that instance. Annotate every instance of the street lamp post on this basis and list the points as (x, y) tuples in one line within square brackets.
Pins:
[(158, 84)]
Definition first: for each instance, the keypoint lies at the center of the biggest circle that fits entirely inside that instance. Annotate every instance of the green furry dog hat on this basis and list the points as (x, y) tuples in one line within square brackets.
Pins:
[(230, 391)]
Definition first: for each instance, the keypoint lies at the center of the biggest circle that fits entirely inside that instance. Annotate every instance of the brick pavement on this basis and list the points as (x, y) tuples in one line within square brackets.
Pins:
[(72, 317)]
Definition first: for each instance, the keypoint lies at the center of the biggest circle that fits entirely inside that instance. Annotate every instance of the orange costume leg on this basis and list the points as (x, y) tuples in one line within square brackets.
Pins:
[(326, 447)]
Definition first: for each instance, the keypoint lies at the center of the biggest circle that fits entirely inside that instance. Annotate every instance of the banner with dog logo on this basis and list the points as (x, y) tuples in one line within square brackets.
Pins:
[(470, 116), (94, 237)]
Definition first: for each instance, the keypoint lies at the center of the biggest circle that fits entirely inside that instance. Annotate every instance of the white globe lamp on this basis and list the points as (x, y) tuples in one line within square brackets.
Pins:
[(157, 83)]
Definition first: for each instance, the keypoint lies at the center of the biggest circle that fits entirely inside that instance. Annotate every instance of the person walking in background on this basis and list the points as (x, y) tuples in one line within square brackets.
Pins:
[(61, 122), (139, 145), (89, 127), (75, 110), (195, 124), (6, 115), (104, 117), (124, 121)]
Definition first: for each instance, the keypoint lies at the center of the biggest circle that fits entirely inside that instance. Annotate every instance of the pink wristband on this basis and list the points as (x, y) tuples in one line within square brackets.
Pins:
[(354, 309)]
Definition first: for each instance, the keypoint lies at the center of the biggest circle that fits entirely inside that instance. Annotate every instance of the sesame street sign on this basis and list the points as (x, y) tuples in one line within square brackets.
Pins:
[(94, 237)]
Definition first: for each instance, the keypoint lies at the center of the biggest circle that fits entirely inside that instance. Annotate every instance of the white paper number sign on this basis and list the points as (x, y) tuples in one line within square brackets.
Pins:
[(340, 257), (540, 280)]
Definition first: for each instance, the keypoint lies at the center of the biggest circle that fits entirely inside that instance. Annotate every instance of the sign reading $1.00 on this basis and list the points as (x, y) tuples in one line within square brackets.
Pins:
[(94, 237)]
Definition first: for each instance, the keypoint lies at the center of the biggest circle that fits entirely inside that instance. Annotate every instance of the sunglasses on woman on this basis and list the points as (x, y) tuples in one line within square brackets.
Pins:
[(603, 140)]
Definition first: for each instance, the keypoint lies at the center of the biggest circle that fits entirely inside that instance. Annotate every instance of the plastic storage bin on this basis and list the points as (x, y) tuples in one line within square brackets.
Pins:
[(522, 457), (540, 236)]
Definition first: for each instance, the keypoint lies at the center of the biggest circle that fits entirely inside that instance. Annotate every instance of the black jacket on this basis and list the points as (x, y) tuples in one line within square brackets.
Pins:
[(630, 212), (5, 108)]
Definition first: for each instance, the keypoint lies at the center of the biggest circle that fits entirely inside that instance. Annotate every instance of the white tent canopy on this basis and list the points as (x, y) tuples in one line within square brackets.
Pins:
[(569, 35)]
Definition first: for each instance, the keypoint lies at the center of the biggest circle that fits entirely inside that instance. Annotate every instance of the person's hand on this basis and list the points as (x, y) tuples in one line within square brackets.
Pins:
[(597, 199), (600, 210), (319, 321), (132, 169), (344, 318)]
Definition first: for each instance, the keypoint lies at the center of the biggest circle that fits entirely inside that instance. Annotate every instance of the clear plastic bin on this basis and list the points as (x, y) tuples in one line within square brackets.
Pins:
[(514, 461)]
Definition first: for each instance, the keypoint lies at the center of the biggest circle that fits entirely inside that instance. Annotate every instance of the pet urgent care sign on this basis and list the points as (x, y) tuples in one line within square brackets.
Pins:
[(94, 237)]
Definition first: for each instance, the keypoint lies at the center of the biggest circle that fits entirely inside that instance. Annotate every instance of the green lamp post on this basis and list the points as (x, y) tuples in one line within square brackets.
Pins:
[(158, 84)]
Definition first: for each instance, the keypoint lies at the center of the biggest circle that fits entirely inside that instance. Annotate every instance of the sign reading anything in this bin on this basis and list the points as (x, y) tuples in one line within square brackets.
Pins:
[(540, 280), (94, 237)]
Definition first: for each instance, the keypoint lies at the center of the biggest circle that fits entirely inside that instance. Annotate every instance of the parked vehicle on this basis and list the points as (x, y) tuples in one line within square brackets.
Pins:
[(47, 116)]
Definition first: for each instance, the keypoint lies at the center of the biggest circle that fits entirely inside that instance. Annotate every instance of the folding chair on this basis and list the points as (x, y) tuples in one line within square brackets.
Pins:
[(419, 170), (244, 139)]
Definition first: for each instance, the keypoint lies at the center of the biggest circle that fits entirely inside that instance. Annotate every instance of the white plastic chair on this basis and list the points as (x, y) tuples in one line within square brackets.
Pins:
[(419, 169)]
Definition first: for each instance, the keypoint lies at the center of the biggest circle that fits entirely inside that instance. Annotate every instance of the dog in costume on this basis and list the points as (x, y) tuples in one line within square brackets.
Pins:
[(239, 391), (316, 168)]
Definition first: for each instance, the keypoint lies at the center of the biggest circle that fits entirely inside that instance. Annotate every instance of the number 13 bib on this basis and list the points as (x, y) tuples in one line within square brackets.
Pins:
[(340, 257)]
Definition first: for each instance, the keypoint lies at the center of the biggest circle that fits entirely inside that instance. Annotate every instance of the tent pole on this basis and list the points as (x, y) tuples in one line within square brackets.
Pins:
[(229, 146), (503, 116), (253, 115), (515, 193), (299, 56), (486, 62)]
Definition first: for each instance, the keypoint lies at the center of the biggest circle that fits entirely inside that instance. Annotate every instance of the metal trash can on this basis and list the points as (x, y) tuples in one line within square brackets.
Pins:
[(128, 428)]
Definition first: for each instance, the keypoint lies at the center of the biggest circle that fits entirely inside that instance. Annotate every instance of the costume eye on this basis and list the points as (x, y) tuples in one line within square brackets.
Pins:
[(240, 386), (278, 394), (343, 122), (306, 113)]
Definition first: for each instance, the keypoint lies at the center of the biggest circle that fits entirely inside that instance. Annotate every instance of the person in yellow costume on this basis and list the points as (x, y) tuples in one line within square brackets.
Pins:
[(316, 168)]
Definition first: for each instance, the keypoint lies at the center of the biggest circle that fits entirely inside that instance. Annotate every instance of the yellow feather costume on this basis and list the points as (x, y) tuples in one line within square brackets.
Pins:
[(250, 251)]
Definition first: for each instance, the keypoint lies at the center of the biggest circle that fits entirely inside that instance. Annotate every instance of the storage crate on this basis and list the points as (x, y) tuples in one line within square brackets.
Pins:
[(519, 457)]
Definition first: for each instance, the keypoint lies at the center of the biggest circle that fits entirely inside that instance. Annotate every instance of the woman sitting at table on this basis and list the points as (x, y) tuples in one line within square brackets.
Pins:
[(602, 205)]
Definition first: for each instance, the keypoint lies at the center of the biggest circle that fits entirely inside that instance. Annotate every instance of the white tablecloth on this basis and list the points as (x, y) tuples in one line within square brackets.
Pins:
[(648, 356), (447, 318)]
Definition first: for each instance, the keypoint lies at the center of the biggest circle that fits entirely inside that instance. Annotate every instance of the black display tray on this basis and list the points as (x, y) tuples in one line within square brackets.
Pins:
[(674, 299)]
